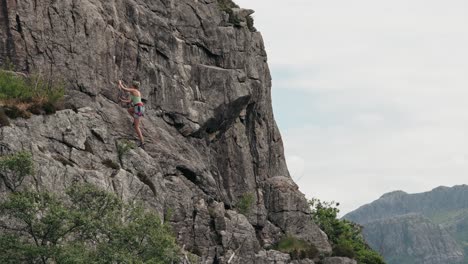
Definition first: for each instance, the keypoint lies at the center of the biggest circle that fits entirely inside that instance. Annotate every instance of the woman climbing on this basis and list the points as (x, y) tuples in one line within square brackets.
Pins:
[(137, 107)]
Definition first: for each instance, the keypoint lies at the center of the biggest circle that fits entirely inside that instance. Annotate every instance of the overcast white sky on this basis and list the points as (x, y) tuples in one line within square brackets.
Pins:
[(370, 96)]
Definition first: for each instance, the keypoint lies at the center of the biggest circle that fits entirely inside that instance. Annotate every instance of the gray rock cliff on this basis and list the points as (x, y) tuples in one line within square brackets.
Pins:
[(210, 130)]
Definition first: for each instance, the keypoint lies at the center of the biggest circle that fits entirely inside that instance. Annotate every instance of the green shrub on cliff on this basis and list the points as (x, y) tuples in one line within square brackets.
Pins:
[(245, 203), (14, 168), (22, 94), (88, 225), (345, 236)]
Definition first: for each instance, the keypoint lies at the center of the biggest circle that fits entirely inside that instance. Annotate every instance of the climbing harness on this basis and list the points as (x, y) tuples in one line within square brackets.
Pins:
[(139, 110)]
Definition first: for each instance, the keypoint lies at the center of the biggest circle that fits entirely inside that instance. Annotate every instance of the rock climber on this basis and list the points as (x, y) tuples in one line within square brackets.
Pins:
[(136, 109)]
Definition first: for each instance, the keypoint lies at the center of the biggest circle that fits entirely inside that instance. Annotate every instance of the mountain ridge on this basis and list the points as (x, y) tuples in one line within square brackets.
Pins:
[(409, 219)]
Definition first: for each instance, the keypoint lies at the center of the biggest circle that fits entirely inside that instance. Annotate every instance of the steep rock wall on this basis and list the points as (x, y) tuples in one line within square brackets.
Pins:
[(211, 134)]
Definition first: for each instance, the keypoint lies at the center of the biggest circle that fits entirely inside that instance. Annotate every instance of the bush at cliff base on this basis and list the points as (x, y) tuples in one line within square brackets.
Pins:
[(87, 225), (345, 236)]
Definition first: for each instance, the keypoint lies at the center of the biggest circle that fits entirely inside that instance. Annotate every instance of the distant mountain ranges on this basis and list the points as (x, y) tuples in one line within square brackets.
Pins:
[(422, 228)]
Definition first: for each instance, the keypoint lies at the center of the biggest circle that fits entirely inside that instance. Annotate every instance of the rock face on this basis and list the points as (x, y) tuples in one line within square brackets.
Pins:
[(427, 228), (211, 136)]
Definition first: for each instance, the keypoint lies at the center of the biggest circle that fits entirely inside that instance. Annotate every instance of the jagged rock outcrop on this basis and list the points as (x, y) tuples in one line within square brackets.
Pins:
[(427, 228), (211, 135)]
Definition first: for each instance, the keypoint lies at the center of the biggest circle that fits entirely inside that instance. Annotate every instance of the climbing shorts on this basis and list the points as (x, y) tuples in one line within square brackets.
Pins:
[(138, 110)]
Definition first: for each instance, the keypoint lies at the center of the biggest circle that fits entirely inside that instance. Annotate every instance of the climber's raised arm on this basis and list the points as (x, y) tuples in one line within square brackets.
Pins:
[(121, 86)]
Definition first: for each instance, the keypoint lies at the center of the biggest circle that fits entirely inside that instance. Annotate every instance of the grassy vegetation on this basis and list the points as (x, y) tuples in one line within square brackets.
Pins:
[(345, 236), (245, 203), (298, 249), (87, 225), (14, 168), (23, 95)]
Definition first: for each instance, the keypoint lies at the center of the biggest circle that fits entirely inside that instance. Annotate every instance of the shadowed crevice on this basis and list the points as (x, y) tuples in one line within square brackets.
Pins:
[(8, 42)]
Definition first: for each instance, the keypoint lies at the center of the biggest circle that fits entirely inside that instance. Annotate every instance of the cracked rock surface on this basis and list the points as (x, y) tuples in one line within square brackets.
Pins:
[(211, 135)]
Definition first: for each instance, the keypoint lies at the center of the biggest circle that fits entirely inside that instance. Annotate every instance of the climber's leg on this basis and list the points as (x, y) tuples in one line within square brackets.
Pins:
[(138, 131), (131, 111)]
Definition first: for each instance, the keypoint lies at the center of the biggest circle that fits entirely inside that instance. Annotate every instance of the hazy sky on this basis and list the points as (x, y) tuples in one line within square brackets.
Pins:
[(370, 96)]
